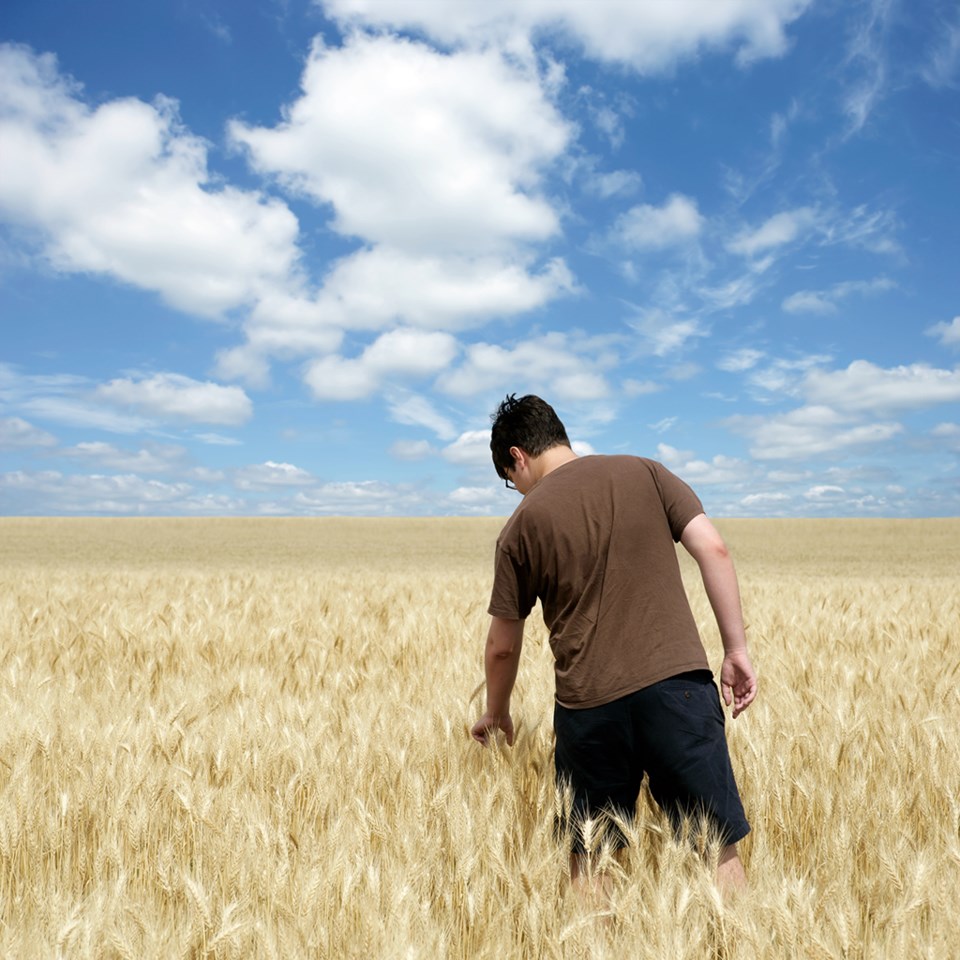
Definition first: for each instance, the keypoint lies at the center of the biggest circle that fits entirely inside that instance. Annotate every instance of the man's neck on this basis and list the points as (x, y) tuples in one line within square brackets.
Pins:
[(549, 460)]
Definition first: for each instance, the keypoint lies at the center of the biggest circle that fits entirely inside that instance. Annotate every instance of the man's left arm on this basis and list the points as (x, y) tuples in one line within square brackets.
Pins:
[(738, 679), (501, 660)]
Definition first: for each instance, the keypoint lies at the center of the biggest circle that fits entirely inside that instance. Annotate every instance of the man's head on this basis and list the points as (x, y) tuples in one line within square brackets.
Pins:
[(528, 423)]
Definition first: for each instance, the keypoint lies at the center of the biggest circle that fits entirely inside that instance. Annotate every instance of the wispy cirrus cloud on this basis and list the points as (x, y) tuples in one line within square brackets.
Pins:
[(780, 229), (867, 63), (411, 450), (737, 361), (416, 410), (942, 67), (827, 301), (663, 331)]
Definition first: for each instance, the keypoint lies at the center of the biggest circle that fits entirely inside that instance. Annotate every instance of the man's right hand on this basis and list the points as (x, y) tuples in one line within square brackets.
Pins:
[(488, 725)]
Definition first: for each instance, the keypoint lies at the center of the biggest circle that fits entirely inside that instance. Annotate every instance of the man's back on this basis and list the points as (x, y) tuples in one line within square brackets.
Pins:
[(594, 541)]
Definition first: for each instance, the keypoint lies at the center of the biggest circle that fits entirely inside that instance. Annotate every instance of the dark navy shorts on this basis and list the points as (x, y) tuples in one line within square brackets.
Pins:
[(672, 731)]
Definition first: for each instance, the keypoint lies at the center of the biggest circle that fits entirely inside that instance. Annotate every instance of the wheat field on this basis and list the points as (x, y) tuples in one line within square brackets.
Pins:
[(249, 738)]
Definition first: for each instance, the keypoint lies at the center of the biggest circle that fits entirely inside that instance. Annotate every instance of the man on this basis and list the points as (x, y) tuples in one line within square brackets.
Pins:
[(594, 541)]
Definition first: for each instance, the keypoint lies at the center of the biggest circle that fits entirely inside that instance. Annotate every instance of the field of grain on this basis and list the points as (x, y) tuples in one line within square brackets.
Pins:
[(248, 738)]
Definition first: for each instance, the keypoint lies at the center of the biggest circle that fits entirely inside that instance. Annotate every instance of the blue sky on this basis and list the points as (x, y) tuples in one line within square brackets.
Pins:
[(285, 258)]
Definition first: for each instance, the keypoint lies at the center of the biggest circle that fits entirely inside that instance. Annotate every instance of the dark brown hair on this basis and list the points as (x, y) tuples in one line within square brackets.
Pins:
[(528, 423)]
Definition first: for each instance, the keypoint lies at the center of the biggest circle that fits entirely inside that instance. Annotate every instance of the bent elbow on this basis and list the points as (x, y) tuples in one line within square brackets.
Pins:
[(719, 549), (711, 551)]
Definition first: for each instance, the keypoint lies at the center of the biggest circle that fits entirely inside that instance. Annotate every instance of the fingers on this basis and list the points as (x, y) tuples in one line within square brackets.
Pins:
[(483, 729), (743, 697), (479, 733), (739, 684)]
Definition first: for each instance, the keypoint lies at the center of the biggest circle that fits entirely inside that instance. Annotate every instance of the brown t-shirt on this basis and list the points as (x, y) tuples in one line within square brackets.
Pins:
[(594, 541)]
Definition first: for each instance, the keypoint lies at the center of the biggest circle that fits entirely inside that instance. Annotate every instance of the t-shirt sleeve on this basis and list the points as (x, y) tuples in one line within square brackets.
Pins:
[(512, 597), (680, 503)]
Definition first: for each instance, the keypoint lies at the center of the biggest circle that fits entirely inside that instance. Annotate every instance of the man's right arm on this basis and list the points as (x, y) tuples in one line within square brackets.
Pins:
[(703, 542), (501, 661)]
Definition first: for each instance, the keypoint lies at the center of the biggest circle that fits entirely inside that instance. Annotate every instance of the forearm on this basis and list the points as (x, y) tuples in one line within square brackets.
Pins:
[(723, 592), (702, 541), (501, 673), (501, 660)]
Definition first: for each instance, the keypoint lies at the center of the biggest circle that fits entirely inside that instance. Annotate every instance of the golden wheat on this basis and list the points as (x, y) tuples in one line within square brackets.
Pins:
[(249, 739)]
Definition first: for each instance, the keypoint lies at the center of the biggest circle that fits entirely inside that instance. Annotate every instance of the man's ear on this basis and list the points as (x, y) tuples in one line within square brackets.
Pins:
[(519, 455)]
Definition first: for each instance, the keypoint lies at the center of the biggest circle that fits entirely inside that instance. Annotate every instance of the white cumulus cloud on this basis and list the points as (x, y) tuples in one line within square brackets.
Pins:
[(435, 161), (98, 493), (263, 476), (475, 496), (16, 432), (404, 353), (417, 149), (152, 458), (825, 491), (645, 35), (356, 497), (646, 227), (864, 387), (173, 395), (554, 364), (719, 469), (808, 431), (947, 333), (471, 448), (123, 190), (375, 287), (759, 499)]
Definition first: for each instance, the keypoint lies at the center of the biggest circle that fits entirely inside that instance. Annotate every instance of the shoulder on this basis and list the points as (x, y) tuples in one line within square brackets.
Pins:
[(653, 468), (656, 478), (510, 532), (625, 465)]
